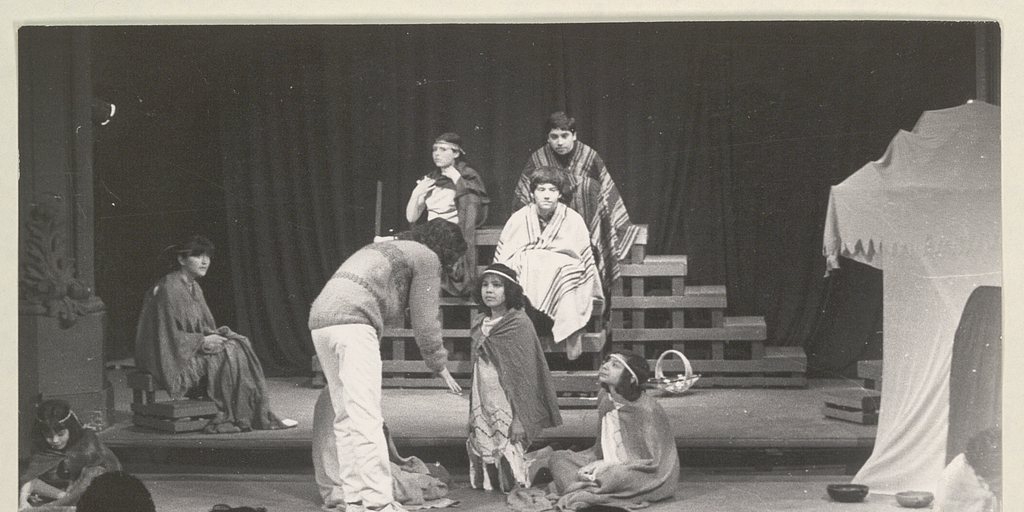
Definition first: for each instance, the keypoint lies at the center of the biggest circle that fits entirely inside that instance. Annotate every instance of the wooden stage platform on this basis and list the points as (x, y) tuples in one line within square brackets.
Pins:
[(720, 425)]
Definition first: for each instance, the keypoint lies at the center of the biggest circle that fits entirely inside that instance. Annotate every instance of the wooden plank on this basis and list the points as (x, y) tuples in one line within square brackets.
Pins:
[(577, 402), (487, 236), (854, 399), (395, 332), (652, 267), (641, 236), (769, 364), (575, 381), (408, 366), (167, 425), (718, 349), (690, 300), (176, 408), (793, 381), (690, 333), (861, 417), (424, 382)]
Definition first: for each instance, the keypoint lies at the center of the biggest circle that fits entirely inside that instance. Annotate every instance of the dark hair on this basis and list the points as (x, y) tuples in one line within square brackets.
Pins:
[(453, 138), (116, 491), (984, 453), (626, 387), (560, 121), (552, 175), (52, 416), (442, 237), (195, 246), (514, 296)]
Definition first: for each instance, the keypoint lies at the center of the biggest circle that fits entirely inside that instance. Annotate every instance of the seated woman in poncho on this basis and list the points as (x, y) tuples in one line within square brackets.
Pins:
[(548, 245), (512, 396), (634, 460), (178, 342), (66, 457)]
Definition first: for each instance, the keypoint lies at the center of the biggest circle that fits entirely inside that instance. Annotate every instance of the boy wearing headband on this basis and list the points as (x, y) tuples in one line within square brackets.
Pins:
[(453, 192)]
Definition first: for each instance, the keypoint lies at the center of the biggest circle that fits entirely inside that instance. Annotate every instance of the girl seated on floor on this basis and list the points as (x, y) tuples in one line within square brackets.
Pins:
[(66, 457), (634, 460), (512, 396)]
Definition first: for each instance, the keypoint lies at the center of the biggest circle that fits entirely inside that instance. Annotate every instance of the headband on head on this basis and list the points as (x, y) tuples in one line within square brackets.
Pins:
[(451, 145), (500, 273), (624, 363), (70, 414)]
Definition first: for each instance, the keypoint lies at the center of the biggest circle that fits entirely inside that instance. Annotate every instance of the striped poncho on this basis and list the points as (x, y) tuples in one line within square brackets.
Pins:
[(595, 197), (555, 265)]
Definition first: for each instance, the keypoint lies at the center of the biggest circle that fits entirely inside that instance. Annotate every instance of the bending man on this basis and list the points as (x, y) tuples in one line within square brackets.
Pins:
[(371, 289)]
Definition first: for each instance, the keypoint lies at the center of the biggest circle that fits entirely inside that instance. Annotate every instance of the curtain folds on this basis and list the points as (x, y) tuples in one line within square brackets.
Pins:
[(723, 138)]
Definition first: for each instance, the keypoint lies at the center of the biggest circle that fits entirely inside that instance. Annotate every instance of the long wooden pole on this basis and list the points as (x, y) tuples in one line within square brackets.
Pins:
[(376, 219)]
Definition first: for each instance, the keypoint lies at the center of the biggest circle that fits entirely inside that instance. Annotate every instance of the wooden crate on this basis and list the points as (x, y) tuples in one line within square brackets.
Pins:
[(854, 405), (172, 416)]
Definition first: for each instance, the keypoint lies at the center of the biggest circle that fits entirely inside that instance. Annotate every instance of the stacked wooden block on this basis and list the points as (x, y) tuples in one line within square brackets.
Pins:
[(652, 309), (859, 405), (649, 311), (403, 366), (172, 416)]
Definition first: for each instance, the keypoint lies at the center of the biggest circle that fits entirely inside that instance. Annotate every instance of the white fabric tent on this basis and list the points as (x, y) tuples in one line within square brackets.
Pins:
[(928, 214)]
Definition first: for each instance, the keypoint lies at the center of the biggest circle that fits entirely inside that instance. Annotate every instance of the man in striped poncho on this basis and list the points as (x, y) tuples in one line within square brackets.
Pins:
[(593, 194)]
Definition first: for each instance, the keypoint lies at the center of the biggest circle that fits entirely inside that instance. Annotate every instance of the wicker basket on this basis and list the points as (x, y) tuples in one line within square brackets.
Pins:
[(673, 385)]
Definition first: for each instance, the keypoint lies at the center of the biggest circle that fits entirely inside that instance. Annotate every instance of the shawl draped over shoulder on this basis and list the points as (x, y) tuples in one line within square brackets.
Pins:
[(472, 204), (82, 461), (651, 474), (555, 265), (514, 349), (168, 344), (595, 197)]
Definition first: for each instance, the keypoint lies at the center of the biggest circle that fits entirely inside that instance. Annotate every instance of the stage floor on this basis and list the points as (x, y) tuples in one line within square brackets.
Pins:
[(703, 418), (741, 450)]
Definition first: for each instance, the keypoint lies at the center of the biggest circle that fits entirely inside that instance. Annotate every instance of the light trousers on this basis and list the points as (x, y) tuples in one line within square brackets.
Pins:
[(350, 358)]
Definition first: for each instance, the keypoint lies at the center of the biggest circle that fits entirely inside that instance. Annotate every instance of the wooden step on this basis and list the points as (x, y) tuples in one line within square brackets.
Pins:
[(854, 405), (575, 381), (708, 296), (169, 425), (656, 266), (767, 364), (396, 332), (735, 329), (780, 367), (854, 399)]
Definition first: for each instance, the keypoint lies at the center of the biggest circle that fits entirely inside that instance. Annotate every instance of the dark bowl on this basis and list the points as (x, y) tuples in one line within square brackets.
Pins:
[(914, 499), (847, 493)]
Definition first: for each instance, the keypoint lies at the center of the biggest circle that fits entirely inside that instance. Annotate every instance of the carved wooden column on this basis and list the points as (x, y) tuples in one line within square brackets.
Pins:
[(61, 323)]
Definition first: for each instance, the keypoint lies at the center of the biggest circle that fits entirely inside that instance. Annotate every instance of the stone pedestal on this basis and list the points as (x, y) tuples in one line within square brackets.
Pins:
[(64, 363)]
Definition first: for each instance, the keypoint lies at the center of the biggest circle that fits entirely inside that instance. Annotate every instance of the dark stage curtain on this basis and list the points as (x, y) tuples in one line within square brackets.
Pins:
[(976, 370), (723, 137)]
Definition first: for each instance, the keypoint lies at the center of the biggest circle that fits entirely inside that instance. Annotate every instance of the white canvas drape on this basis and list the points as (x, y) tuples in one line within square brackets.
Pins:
[(930, 210)]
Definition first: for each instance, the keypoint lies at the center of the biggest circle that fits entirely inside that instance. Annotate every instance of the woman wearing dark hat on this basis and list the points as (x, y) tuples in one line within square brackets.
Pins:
[(453, 192), (512, 396), (178, 342)]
